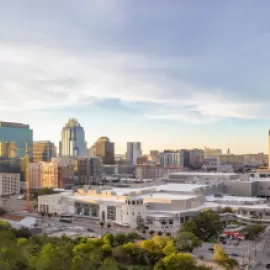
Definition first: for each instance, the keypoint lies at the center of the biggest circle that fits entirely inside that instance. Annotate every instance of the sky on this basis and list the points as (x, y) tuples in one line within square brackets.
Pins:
[(169, 73)]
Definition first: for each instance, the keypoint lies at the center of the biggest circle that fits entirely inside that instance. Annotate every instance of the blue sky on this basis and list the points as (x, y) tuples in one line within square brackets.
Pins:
[(171, 74)]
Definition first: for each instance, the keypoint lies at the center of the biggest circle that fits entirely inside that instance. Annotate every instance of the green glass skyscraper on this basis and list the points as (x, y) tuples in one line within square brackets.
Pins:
[(17, 133)]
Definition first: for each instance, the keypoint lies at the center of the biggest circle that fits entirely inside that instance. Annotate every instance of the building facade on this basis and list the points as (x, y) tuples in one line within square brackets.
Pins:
[(237, 161), (212, 152), (196, 157), (9, 184), (58, 173), (43, 151), (89, 170), (8, 149), (104, 149), (72, 142), (133, 152), (19, 134)]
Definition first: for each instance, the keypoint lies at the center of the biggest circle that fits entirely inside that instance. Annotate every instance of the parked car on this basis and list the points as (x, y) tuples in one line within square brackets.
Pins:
[(235, 255)]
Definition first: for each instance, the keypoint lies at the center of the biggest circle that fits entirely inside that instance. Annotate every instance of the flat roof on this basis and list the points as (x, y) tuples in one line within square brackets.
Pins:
[(203, 173), (180, 187), (96, 198), (122, 191), (233, 199), (169, 196)]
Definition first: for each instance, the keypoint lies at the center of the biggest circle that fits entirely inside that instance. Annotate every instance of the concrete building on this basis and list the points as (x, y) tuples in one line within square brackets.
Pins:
[(72, 142), (43, 151), (152, 171), (203, 177), (58, 173), (254, 160), (212, 152), (104, 149), (89, 170), (134, 151), (154, 157), (19, 134), (9, 184), (196, 157), (237, 161), (165, 207), (142, 160)]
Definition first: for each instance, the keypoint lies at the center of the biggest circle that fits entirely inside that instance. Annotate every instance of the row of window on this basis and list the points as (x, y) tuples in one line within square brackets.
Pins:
[(134, 202)]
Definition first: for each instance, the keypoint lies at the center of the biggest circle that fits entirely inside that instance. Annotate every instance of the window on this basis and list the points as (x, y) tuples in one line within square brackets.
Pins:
[(133, 202), (111, 212)]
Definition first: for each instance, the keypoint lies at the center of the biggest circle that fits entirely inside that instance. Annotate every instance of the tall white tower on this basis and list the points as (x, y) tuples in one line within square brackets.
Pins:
[(133, 152)]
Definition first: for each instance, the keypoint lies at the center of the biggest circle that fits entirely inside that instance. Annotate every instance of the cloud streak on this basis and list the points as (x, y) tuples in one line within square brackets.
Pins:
[(41, 71), (34, 78)]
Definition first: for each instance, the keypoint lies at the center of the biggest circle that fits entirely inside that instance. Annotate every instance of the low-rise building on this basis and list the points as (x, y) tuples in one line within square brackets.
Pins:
[(9, 184)]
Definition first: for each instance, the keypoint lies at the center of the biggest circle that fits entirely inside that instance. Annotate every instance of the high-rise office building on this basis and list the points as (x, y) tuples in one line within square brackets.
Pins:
[(18, 134), (133, 152), (196, 157), (72, 142), (43, 151), (104, 149), (89, 170), (57, 173)]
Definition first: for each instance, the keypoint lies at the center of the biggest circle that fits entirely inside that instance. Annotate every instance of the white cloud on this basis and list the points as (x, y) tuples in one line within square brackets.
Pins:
[(34, 77)]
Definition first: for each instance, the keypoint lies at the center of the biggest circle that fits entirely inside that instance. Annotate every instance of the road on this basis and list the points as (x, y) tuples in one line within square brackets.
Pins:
[(247, 251), (263, 257), (81, 224)]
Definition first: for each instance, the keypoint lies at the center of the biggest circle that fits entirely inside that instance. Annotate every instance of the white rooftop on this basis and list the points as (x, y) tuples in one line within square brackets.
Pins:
[(180, 187), (203, 173), (126, 191), (169, 196), (233, 199)]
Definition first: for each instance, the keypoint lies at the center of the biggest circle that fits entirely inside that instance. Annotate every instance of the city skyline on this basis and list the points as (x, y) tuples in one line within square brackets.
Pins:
[(188, 76)]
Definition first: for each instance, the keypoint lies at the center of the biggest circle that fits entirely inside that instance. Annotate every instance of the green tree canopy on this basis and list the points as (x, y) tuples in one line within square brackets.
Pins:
[(187, 241)]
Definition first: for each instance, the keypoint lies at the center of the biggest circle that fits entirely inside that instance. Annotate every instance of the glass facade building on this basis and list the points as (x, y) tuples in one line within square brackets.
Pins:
[(17, 134), (72, 142)]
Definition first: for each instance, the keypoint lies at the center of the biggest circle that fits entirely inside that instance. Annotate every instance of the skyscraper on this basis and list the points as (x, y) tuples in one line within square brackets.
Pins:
[(73, 143), (104, 149), (89, 170), (17, 134), (43, 151), (133, 152)]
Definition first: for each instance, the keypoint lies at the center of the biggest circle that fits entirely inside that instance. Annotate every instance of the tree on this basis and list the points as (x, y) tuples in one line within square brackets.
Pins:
[(189, 226), (160, 233), (179, 261), (204, 226), (169, 248), (106, 250), (108, 238), (253, 231), (226, 209), (222, 259), (187, 241), (120, 239), (131, 237)]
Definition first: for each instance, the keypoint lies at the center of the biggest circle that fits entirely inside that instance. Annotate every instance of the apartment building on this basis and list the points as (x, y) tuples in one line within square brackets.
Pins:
[(9, 184), (58, 173)]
